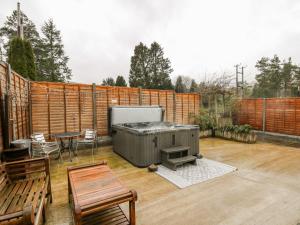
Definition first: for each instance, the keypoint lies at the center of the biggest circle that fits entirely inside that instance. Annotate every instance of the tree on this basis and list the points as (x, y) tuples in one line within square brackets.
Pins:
[(17, 56), (53, 60), (9, 30), (276, 78), (139, 67), (179, 86), (149, 68), (108, 82), (30, 65), (194, 86), (120, 81), (160, 68)]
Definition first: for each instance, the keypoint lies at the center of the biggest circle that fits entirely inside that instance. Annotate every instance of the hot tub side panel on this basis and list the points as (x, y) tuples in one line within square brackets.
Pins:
[(144, 149), (126, 144)]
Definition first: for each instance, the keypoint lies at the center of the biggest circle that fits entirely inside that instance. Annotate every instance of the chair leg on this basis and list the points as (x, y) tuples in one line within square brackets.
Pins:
[(76, 150), (60, 157), (93, 149)]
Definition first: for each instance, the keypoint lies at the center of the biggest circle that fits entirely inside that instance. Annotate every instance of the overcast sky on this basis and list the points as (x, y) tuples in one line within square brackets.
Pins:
[(199, 37)]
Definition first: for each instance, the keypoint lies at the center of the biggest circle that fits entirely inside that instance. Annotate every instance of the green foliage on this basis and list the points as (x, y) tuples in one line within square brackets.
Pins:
[(108, 82), (160, 68), (238, 129), (205, 120), (120, 81), (53, 60), (17, 56), (149, 68), (49, 58), (9, 30), (276, 78), (30, 65), (194, 86), (179, 85)]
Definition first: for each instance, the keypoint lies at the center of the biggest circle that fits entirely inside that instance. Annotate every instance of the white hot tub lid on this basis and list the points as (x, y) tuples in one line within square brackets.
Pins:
[(135, 114)]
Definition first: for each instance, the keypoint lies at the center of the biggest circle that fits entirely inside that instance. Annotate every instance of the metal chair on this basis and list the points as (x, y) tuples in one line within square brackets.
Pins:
[(40, 147), (90, 137)]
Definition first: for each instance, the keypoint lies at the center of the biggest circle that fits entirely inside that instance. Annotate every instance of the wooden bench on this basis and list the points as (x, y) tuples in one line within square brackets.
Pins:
[(95, 194), (24, 188)]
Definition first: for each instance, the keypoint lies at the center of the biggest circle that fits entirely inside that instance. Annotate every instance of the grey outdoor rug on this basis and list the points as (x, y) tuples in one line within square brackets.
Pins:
[(190, 174)]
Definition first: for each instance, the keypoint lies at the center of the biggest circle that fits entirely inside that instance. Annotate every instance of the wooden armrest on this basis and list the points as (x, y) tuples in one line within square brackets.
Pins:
[(41, 159), (70, 168)]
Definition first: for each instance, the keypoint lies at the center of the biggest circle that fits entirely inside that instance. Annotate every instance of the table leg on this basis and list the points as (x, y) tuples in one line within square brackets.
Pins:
[(62, 144), (132, 212), (70, 149)]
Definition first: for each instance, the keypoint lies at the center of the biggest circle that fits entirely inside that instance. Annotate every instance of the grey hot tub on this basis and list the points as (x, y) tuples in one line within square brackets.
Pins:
[(140, 143)]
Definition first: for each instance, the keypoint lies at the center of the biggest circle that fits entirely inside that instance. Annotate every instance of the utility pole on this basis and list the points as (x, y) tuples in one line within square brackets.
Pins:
[(237, 79), (19, 22), (242, 86), (239, 84)]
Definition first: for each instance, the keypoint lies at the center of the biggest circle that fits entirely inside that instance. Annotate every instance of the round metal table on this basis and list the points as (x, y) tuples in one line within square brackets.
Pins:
[(70, 136)]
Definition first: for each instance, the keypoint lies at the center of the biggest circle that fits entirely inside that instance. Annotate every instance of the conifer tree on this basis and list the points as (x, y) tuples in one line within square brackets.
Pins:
[(179, 85), (194, 86), (139, 67), (120, 81), (53, 60), (149, 68), (108, 82), (17, 56), (9, 30), (29, 57)]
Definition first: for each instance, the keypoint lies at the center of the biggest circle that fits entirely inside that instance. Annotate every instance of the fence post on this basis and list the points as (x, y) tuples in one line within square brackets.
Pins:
[(6, 110), (94, 106), (174, 106), (264, 115), (29, 108), (65, 109), (140, 96)]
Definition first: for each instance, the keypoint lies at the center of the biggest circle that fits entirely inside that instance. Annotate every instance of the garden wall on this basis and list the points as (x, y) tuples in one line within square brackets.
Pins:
[(279, 115), (51, 108)]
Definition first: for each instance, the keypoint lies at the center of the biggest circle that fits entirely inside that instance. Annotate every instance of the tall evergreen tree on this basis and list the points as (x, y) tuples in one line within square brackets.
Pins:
[(53, 60), (17, 56), (194, 86), (160, 68), (139, 68), (179, 86), (108, 82), (120, 81), (276, 78), (9, 30), (30, 65), (149, 68)]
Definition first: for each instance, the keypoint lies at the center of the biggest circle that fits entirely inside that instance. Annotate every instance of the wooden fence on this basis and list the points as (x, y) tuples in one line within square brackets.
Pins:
[(279, 115), (58, 107), (14, 106)]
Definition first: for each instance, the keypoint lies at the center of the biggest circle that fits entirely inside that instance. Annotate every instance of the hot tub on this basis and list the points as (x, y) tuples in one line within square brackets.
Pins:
[(139, 137)]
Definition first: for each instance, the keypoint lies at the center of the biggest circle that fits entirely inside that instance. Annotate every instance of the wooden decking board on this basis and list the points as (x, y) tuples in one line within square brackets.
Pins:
[(265, 189)]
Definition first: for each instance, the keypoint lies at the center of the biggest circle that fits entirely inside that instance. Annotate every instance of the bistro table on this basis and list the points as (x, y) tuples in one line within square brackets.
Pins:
[(70, 136)]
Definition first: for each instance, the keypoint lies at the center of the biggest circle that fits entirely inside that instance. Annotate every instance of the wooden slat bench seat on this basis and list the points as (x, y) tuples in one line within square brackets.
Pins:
[(95, 194), (24, 188)]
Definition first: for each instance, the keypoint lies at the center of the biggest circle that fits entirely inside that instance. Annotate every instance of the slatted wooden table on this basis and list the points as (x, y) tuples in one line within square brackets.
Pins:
[(95, 194)]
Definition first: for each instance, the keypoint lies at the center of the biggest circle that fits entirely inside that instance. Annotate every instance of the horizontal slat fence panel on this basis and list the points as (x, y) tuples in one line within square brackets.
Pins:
[(51, 108), (15, 88), (71, 107), (282, 115)]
